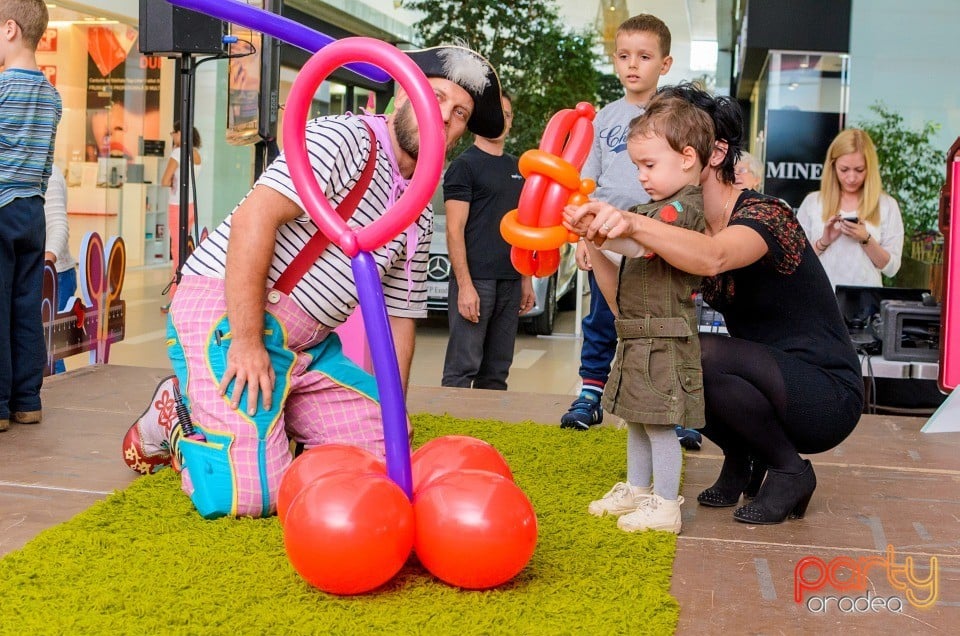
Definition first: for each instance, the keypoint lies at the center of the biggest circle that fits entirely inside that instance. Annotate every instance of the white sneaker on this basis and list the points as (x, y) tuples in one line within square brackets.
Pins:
[(653, 513), (621, 499)]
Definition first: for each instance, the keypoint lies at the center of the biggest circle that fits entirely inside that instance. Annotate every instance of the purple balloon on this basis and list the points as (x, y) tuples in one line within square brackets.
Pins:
[(277, 26), (386, 370)]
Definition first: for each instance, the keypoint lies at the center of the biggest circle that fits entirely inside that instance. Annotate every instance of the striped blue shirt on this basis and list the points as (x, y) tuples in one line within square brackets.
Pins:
[(30, 109)]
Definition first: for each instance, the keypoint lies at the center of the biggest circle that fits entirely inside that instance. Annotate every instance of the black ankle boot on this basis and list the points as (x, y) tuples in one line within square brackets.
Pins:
[(733, 478), (782, 495), (758, 470)]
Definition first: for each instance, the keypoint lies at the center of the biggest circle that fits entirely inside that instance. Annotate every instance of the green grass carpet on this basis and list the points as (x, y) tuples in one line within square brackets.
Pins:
[(143, 562)]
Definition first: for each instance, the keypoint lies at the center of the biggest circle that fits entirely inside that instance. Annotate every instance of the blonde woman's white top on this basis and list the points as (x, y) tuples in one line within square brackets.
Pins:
[(845, 260)]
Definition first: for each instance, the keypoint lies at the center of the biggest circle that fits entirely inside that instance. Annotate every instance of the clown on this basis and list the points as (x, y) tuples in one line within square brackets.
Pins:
[(249, 332)]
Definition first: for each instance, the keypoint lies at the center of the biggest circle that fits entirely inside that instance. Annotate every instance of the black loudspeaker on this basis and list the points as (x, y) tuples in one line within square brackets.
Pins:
[(169, 30)]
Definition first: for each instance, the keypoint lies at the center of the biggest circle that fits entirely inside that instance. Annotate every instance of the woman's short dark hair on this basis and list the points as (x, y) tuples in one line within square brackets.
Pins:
[(727, 121)]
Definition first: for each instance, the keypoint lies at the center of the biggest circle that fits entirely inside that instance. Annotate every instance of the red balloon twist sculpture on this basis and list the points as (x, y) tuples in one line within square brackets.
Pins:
[(553, 181)]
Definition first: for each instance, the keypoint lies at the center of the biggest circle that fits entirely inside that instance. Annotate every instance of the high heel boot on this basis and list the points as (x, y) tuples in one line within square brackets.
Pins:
[(758, 470), (733, 477), (782, 495)]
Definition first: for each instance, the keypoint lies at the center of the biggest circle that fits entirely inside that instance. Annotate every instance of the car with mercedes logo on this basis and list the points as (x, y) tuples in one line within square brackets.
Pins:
[(552, 293)]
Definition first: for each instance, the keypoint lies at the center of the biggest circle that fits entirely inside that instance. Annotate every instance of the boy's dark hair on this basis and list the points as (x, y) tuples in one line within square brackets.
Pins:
[(196, 133), (727, 121), (647, 23), (679, 122), (30, 15)]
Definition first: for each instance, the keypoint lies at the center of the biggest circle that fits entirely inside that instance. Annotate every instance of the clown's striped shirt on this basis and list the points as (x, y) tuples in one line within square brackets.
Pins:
[(337, 147)]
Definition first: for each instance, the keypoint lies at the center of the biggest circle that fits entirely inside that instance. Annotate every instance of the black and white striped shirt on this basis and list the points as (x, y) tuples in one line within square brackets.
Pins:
[(338, 147)]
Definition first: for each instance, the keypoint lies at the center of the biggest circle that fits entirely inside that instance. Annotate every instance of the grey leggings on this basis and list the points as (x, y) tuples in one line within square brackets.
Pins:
[(653, 453)]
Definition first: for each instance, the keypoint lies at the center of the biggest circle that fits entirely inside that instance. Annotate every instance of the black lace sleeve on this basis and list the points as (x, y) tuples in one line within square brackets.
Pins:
[(773, 219), (777, 224)]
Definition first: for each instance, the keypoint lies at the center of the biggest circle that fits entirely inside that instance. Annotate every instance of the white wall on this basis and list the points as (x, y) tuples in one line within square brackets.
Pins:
[(904, 54)]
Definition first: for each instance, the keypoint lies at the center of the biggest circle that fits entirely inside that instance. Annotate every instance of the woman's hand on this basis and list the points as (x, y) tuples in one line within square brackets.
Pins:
[(853, 229), (597, 221), (831, 231)]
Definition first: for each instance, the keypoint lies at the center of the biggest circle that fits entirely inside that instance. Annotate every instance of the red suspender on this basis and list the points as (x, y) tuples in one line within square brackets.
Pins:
[(319, 241)]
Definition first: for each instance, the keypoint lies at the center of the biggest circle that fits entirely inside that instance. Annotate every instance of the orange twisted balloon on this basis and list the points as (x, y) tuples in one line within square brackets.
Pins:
[(552, 181)]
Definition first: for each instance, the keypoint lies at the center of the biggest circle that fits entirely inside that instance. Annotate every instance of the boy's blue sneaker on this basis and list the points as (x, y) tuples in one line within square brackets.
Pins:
[(689, 438), (584, 413)]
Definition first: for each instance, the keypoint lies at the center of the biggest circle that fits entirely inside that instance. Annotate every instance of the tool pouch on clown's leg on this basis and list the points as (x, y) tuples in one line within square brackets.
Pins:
[(213, 465)]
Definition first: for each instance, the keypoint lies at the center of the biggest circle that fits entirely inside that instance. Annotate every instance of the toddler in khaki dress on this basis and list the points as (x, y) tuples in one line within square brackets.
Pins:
[(656, 381)]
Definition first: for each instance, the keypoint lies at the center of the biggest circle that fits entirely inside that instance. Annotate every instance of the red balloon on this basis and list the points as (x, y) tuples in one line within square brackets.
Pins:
[(475, 529), (449, 453), (348, 533), (547, 262), (319, 461)]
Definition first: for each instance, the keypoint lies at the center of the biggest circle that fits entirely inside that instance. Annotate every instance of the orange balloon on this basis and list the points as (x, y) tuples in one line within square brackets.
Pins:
[(537, 161), (530, 237), (319, 461), (349, 533), (475, 529), (450, 453)]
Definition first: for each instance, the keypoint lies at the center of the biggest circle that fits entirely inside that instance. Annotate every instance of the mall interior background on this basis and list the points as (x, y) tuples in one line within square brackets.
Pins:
[(814, 64)]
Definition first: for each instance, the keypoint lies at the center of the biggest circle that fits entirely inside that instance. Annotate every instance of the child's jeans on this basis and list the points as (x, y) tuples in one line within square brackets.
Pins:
[(23, 352)]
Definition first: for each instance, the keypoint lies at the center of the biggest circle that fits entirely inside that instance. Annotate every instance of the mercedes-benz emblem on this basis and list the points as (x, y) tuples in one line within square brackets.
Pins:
[(438, 267)]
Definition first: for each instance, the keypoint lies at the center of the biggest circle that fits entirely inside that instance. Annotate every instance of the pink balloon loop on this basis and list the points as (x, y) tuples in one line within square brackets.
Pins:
[(432, 142)]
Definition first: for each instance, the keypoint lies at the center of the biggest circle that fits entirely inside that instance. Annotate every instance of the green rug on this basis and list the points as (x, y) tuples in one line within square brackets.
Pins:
[(142, 561)]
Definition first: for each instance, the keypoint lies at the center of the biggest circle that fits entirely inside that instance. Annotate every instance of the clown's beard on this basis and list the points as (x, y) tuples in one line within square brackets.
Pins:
[(408, 135)]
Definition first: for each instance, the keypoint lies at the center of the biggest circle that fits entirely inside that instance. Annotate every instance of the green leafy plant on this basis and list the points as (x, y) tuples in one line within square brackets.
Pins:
[(911, 169), (544, 65)]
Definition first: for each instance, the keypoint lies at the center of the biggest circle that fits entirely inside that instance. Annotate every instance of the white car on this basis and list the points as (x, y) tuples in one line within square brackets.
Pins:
[(553, 293)]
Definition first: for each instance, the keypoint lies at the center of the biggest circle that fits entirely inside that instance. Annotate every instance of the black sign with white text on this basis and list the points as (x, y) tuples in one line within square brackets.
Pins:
[(797, 143)]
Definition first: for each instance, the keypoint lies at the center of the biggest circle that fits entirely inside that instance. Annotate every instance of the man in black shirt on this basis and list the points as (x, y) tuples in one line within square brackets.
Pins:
[(487, 295)]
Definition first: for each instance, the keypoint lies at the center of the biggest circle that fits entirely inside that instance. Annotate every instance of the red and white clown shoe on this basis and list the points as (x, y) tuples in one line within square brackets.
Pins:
[(147, 445)]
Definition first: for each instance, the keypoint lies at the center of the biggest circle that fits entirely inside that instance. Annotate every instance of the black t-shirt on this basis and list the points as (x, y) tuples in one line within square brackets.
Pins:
[(491, 185), (785, 299)]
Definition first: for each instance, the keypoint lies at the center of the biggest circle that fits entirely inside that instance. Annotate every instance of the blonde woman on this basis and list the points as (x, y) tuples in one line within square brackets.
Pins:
[(854, 226)]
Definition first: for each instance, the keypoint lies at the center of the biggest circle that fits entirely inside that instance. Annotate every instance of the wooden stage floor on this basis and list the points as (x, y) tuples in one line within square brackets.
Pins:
[(887, 485)]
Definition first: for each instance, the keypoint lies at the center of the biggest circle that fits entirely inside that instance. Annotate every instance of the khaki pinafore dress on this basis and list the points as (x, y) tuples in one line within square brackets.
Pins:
[(656, 376)]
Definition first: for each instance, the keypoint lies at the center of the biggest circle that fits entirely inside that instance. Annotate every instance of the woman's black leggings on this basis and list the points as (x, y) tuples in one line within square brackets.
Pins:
[(746, 401)]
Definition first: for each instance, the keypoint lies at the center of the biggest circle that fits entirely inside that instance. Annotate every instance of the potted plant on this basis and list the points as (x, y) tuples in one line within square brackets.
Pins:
[(911, 172)]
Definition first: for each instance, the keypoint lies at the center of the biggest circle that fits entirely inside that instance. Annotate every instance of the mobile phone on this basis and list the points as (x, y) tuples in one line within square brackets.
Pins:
[(851, 219)]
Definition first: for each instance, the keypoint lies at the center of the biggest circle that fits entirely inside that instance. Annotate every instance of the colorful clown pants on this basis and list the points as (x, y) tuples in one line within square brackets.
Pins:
[(320, 396)]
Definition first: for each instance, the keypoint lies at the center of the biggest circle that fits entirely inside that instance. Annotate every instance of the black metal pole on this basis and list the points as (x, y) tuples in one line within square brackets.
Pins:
[(186, 156)]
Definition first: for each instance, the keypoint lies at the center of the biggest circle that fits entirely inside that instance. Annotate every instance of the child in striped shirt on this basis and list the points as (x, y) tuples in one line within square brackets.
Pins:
[(30, 110)]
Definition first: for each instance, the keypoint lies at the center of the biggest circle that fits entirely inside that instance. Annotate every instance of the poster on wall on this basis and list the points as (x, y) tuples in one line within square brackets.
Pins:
[(50, 71), (123, 93), (797, 143), (47, 42), (243, 92)]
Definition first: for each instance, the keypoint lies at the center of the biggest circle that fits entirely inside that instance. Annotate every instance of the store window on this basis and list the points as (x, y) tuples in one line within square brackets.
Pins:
[(331, 98), (110, 135), (802, 103)]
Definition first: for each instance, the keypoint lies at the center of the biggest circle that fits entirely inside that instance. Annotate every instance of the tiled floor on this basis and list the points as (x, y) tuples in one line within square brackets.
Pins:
[(541, 364)]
